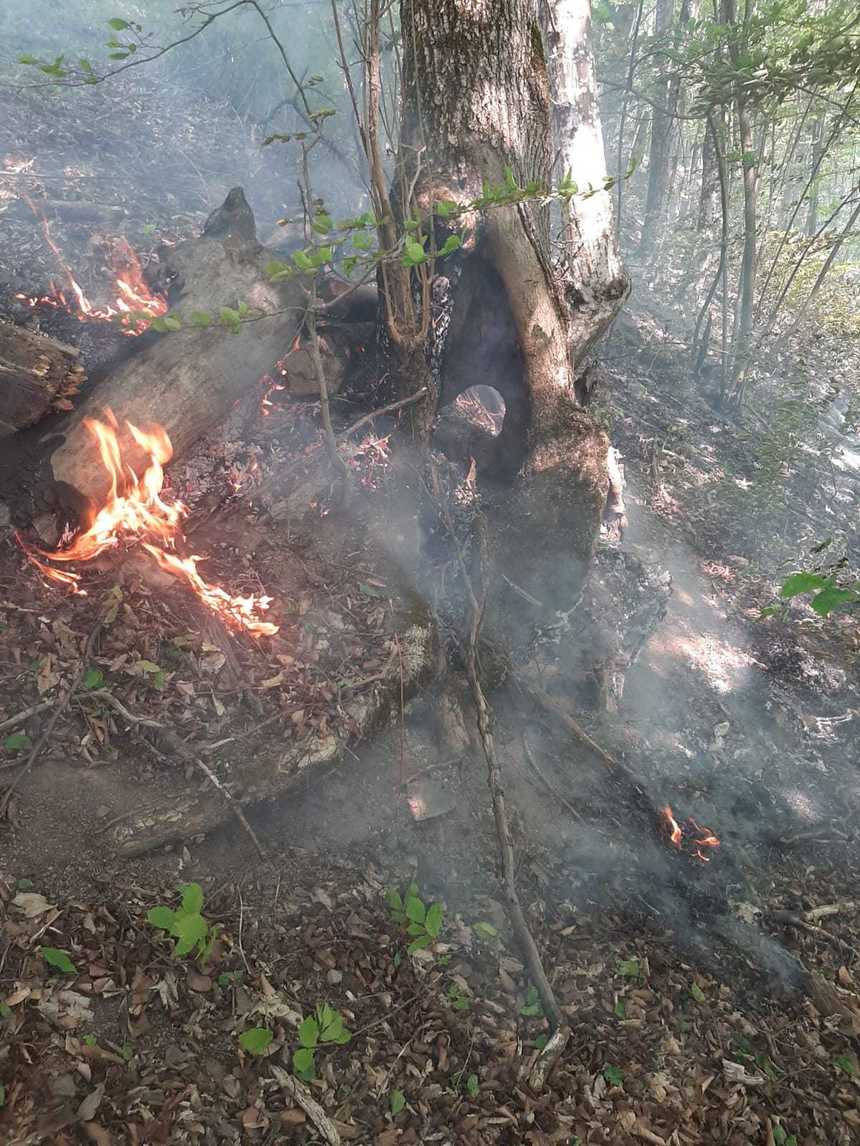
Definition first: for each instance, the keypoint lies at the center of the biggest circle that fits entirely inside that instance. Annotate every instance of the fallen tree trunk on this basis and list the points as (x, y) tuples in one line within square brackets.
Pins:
[(36, 373), (188, 380)]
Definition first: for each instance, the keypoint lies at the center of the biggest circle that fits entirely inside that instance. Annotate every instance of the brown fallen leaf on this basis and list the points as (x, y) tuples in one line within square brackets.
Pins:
[(96, 1133)]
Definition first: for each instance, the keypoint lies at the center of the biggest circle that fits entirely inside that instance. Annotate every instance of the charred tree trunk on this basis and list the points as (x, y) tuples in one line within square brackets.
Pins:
[(477, 105), (37, 374)]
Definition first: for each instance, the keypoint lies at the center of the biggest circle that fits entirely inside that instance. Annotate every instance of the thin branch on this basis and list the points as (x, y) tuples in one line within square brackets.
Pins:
[(522, 932), (389, 409)]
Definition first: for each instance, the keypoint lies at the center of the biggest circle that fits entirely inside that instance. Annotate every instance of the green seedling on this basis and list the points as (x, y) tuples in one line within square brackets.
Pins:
[(421, 922), (186, 924), (323, 1028)]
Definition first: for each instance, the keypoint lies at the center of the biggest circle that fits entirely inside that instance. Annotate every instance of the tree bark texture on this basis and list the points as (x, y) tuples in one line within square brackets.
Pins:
[(35, 373), (592, 260), (477, 102), (662, 125)]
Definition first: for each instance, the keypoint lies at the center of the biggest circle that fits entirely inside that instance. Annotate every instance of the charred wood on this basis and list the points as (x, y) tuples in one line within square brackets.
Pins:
[(37, 374)]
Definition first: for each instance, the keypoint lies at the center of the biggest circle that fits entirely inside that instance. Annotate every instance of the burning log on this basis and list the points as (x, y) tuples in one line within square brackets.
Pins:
[(187, 381), (36, 375)]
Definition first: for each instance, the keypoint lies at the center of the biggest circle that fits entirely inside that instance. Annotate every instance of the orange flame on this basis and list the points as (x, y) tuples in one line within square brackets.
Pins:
[(135, 508), (132, 293), (688, 837)]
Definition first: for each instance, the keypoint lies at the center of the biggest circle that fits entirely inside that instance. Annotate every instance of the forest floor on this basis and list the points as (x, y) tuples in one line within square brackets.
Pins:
[(107, 1035), (671, 1043)]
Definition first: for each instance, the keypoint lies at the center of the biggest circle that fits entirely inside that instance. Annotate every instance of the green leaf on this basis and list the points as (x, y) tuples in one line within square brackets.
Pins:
[(414, 253), (331, 1025), (486, 930), (452, 243), (698, 994), (230, 318), (779, 1135), (5, 1011), (799, 583), (93, 678), (27, 59), (472, 1087), (145, 667), (189, 930), (832, 598), (55, 957), (629, 968), (118, 24), (303, 1061), (433, 919), (172, 323), (201, 318), (394, 899), (309, 1032), (322, 223), (415, 909), (256, 1040), (192, 898), (396, 1101), (16, 741), (620, 1009), (845, 1064), (613, 1075), (419, 944)]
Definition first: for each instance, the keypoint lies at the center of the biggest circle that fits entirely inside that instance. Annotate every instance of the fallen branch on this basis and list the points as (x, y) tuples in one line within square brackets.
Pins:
[(302, 1096), (60, 707)]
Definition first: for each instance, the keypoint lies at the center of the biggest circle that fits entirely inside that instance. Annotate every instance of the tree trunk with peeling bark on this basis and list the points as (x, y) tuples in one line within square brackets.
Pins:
[(483, 91)]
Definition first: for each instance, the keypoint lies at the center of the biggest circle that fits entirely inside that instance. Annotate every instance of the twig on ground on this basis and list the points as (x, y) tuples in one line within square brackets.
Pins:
[(241, 930), (60, 707), (550, 787), (24, 714), (476, 603), (389, 409), (642, 800), (234, 804), (302, 1096), (829, 909)]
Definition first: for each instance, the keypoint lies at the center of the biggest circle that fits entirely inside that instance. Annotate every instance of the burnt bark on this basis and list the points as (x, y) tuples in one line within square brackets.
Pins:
[(477, 104), (36, 373)]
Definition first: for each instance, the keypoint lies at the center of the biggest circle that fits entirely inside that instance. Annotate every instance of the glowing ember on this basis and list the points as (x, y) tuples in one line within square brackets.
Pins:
[(135, 509), (132, 293), (688, 837)]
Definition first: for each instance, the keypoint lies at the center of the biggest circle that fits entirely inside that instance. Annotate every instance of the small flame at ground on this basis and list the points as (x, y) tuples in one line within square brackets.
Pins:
[(688, 837), (132, 296), (135, 509)]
